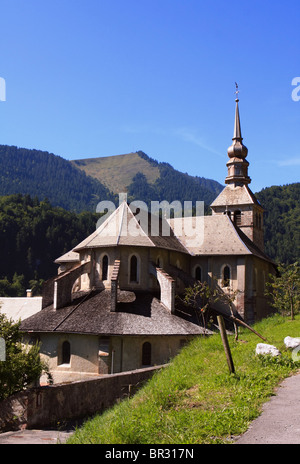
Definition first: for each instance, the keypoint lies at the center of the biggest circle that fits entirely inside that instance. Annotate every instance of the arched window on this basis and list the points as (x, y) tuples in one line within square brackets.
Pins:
[(133, 272), (237, 218), (198, 273), (66, 352), (226, 276), (146, 354), (104, 267)]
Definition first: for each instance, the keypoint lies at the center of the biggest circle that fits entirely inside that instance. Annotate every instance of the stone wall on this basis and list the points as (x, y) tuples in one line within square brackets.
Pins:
[(167, 287), (63, 284), (58, 289), (45, 406)]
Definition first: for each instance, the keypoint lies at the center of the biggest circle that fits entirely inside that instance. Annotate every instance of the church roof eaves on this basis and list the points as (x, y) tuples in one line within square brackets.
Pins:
[(143, 316), (236, 196), (121, 228), (69, 257), (222, 237)]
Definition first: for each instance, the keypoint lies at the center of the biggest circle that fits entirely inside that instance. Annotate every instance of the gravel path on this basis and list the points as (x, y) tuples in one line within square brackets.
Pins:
[(279, 422), (34, 437)]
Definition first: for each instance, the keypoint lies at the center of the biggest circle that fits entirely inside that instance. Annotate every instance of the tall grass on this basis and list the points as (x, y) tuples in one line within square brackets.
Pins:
[(195, 399)]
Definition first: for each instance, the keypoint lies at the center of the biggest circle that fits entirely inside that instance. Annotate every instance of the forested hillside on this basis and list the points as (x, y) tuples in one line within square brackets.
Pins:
[(42, 174), (32, 235), (175, 185), (282, 229), (81, 184)]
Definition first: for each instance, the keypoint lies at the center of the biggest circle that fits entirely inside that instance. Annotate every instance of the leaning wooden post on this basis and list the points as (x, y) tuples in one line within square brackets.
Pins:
[(225, 343)]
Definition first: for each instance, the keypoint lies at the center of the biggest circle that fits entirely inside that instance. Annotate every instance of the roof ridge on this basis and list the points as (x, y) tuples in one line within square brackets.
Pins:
[(257, 250), (133, 217), (252, 196), (146, 234), (72, 311), (121, 222)]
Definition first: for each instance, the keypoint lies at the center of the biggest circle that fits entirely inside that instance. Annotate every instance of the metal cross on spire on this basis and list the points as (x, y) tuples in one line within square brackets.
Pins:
[(236, 90)]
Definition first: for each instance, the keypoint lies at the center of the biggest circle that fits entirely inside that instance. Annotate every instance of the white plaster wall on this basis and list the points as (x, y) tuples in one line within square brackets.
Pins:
[(20, 308)]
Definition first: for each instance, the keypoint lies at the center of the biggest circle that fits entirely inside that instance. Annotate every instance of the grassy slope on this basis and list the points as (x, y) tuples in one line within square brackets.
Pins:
[(194, 399), (116, 172)]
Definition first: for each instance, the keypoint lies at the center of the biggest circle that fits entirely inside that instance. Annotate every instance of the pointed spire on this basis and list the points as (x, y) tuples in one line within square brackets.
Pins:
[(237, 149), (237, 152), (237, 134)]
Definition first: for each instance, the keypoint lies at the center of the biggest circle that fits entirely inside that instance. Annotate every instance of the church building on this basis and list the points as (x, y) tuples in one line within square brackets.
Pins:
[(113, 307)]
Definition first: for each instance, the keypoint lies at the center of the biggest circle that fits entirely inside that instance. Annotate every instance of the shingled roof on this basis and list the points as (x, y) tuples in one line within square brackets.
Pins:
[(236, 196), (123, 228), (205, 235), (217, 235), (69, 257), (136, 314)]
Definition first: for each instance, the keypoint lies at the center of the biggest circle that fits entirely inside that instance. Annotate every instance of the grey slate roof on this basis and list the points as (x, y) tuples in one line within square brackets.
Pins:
[(217, 235), (136, 314), (205, 235), (232, 196), (69, 257), (123, 228)]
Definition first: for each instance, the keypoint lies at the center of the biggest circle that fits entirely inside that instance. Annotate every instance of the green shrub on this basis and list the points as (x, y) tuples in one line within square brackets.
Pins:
[(22, 365)]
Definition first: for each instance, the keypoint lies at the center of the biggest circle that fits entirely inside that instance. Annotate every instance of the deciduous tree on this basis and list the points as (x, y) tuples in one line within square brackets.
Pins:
[(22, 365), (284, 289)]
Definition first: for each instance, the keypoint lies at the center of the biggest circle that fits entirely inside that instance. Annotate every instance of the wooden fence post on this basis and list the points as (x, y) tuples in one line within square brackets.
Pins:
[(225, 344)]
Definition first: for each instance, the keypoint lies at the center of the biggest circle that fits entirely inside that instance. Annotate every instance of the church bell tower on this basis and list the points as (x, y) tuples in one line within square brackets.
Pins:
[(237, 153), (236, 199)]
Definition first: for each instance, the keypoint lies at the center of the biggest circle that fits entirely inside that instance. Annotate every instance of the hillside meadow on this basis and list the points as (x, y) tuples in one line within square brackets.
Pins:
[(117, 172), (194, 400)]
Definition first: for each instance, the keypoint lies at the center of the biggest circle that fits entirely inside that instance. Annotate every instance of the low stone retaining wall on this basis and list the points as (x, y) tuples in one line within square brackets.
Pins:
[(45, 406)]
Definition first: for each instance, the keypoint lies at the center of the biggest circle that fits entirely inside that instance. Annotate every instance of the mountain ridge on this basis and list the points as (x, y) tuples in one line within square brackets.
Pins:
[(146, 179), (80, 185)]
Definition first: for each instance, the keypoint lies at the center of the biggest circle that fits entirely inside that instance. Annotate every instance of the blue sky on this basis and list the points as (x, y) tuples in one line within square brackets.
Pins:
[(107, 77)]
